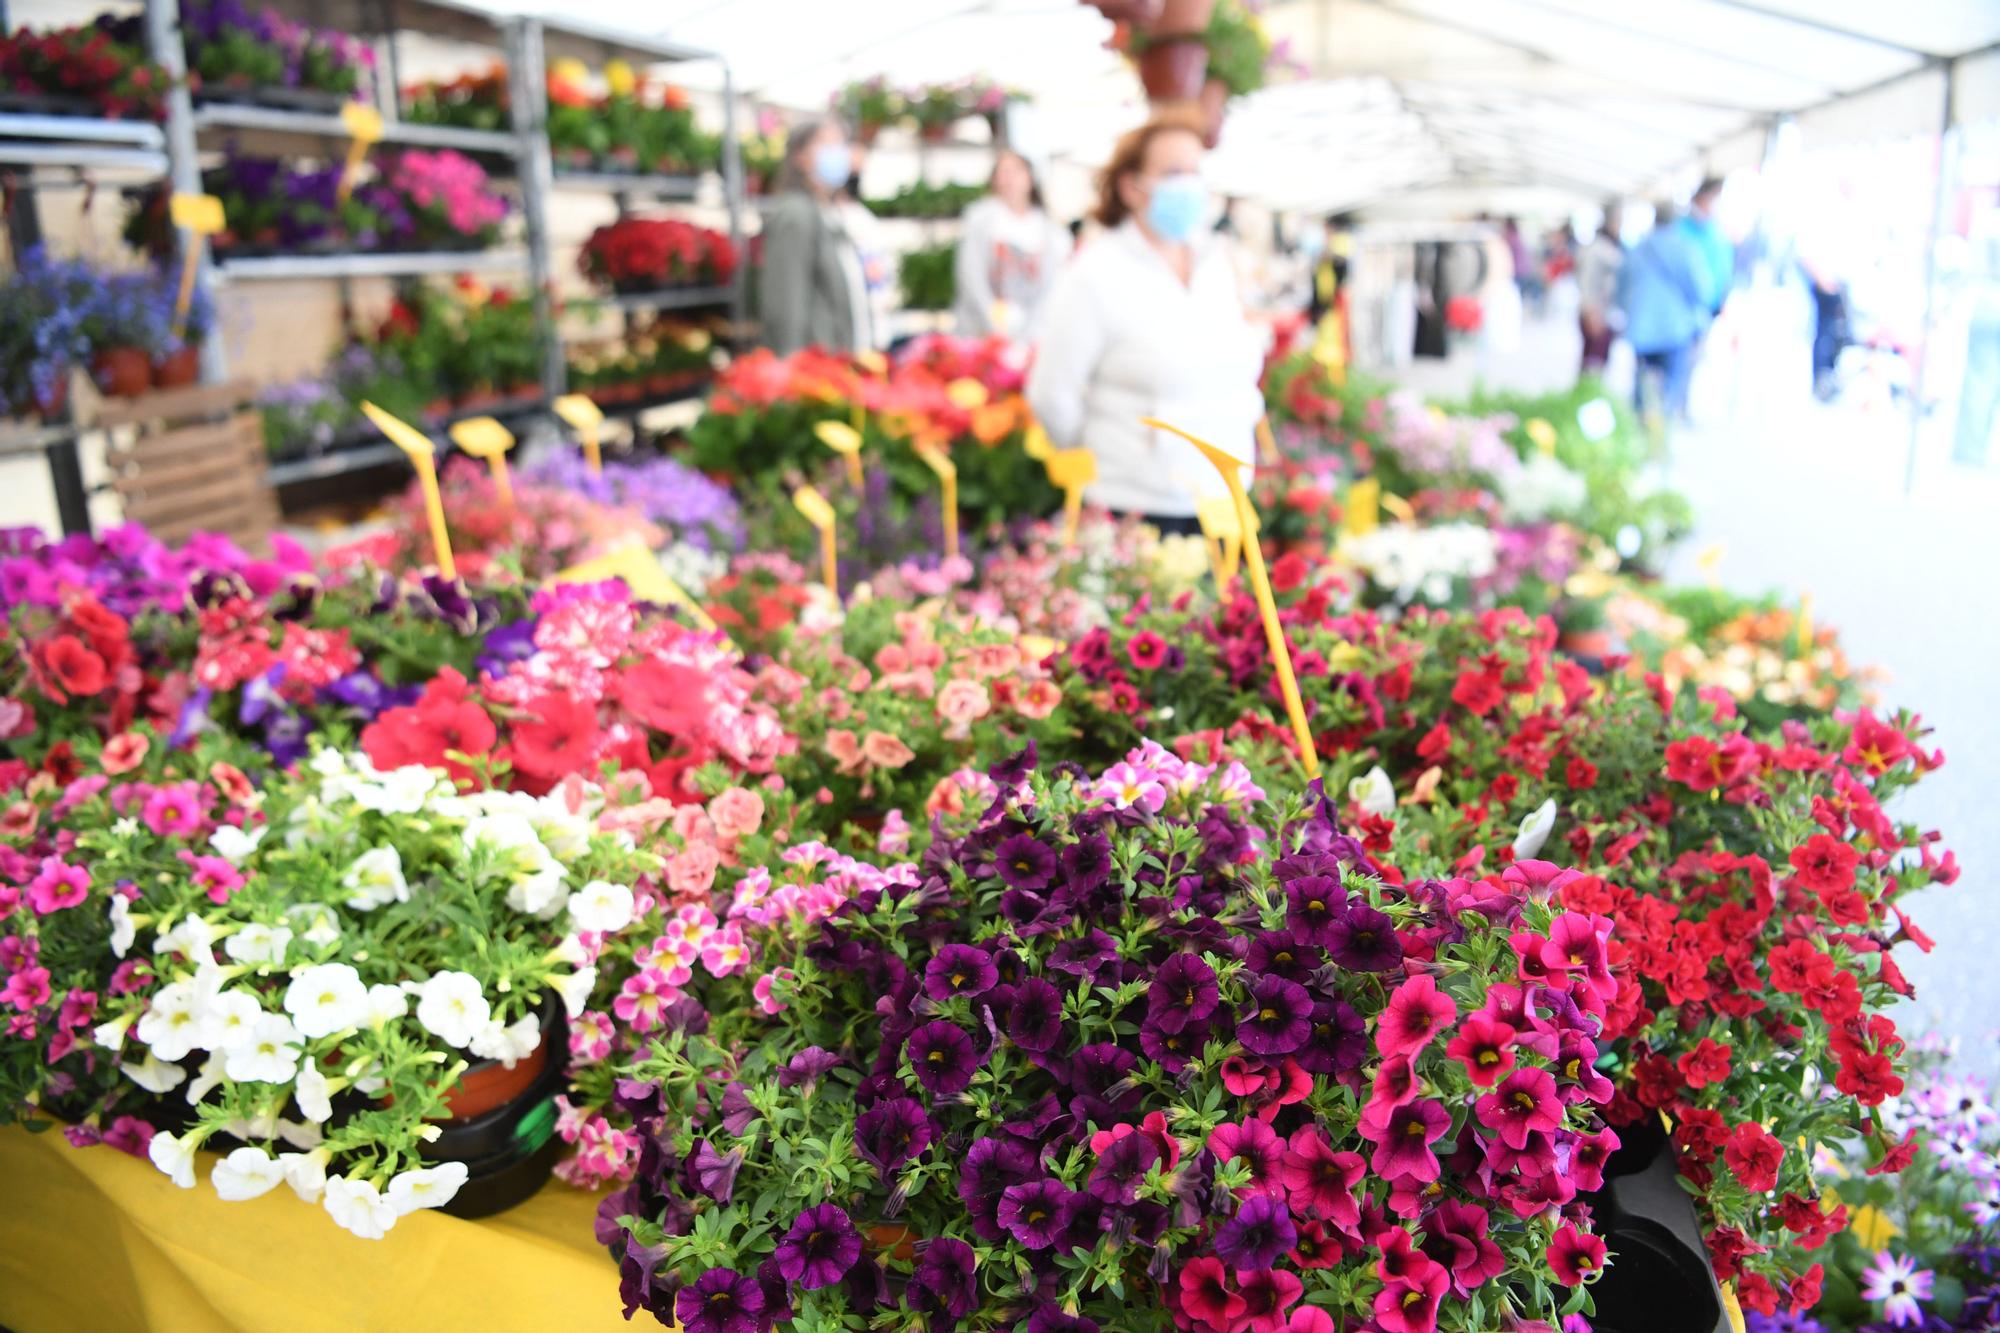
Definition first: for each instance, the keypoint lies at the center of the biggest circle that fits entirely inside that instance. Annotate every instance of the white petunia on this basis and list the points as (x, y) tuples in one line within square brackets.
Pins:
[(602, 907), (575, 988), (359, 1207), (123, 929), (1535, 830), (305, 1172), (1374, 793), (206, 1079), (400, 791), (191, 937), (301, 1134), (226, 1020), (376, 880), (539, 894), (172, 1023), (453, 1008), (318, 926), (110, 1036), (252, 1128), (233, 844), (313, 1093), (173, 1156), (154, 1074), (386, 1004), (324, 999), (259, 945), (246, 1174), (570, 950), (509, 1043), (270, 1055), (428, 1187)]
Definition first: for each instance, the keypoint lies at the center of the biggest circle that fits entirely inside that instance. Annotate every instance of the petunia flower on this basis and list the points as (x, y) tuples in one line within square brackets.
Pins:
[(1278, 1018), (819, 1248), (943, 1282), (1121, 1168), (1403, 1140), (721, 1300), (1258, 1236), (1525, 1103), (1485, 1046), (943, 1059), (891, 1133), (1575, 1256), (1183, 991), (1364, 940), (1034, 1019), (1417, 1011), (1314, 904), (1025, 862), (959, 969), (1034, 1212)]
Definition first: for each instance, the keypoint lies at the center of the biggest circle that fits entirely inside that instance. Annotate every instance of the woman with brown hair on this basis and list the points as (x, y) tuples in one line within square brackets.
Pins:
[(1147, 321), (1009, 252)]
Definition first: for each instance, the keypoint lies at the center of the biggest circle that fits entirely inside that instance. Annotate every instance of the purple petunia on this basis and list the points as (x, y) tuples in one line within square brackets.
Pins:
[(1122, 1167), (1173, 1050), (1183, 993), (1277, 1020), (1364, 940), (1313, 904), (1086, 863), (714, 1173), (891, 1133), (1025, 862), (720, 1301), (820, 1247), (990, 1166), (959, 969), (943, 1059), (1258, 1236), (806, 1068), (1034, 1020), (1035, 1212), (942, 1282)]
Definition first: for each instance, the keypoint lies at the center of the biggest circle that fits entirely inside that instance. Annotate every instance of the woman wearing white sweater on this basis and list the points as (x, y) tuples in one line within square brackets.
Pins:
[(1008, 254), (1146, 321)]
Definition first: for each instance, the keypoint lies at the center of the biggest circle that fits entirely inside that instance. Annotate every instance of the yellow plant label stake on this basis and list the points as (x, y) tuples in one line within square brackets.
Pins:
[(423, 456), (1223, 527), (1231, 469), (947, 475), (364, 130), (1267, 442), (1035, 443), (1399, 508), (1806, 636), (639, 569), (1543, 435), (1361, 514), (844, 440), (201, 215), (586, 418), (1070, 470), (819, 513), (483, 437)]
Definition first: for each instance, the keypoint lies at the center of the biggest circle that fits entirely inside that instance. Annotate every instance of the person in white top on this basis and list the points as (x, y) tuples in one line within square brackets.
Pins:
[(1008, 254), (1147, 321)]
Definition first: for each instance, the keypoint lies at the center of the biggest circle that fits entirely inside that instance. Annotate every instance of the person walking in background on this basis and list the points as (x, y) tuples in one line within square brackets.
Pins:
[(813, 291), (1666, 300), (1718, 252), (1008, 254), (1147, 321), (1597, 290)]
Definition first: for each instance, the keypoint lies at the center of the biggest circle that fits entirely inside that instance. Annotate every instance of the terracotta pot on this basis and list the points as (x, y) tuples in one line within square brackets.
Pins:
[(1588, 643), (866, 132), (488, 1085), (55, 402), (1214, 103), (1173, 69), (1183, 17), (934, 133), (524, 393), (122, 372), (893, 1239), (177, 369), (438, 407), (1140, 13)]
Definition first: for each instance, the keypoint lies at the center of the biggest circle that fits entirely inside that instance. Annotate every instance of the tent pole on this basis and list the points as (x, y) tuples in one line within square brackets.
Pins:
[(1947, 171)]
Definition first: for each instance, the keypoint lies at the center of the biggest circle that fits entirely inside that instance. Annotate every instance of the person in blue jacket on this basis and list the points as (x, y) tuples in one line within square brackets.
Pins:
[(1718, 255), (1666, 291)]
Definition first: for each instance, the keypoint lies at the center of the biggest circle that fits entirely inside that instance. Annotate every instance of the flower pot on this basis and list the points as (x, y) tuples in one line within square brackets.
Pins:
[(1139, 13), (934, 133), (866, 132), (52, 404), (1661, 1281), (524, 393), (1214, 103), (122, 372), (437, 407), (178, 368), (510, 1147), (1182, 18), (1173, 69), (892, 1239)]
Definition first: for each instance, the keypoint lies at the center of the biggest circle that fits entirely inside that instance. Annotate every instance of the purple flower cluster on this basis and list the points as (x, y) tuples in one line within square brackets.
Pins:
[(665, 491), (130, 571)]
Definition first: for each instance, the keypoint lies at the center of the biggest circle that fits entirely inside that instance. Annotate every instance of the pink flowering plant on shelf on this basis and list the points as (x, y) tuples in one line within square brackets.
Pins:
[(299, 973), (1142, 1049)]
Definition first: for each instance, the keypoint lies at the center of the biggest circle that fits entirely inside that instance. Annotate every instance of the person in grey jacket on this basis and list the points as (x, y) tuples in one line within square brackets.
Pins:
[(812, 291), (1008, 254)]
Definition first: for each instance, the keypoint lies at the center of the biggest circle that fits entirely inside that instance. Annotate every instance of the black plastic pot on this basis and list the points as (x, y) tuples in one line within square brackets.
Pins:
[(1659, 1279), (509, 1151)]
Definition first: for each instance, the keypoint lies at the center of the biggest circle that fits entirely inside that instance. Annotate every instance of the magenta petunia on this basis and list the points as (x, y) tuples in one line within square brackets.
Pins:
[(1525, 1103), (1417, 1011), (1403, 1140)]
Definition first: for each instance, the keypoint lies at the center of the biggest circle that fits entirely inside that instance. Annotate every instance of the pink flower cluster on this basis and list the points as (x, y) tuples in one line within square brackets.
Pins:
[(451, 183)]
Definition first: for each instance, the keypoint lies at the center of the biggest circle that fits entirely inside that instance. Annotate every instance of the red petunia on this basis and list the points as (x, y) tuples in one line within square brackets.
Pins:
[(1478, 691), (559, 739), (71, 667), (1707, 1063), (1754, 1156), (1825, 865), (1575, 1256)]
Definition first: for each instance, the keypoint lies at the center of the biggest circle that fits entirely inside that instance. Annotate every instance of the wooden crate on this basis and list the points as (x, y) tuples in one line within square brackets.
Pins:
[(192, 460)]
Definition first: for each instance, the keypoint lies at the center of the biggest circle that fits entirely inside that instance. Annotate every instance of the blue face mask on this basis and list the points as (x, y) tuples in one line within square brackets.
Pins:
[(832, 164), (1177, 206)]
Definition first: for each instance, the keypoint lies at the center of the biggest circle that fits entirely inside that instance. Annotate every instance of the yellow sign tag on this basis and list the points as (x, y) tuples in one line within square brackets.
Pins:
[(483, 437), (1035, 443), (819, 513), (1732, 1309), (947, 475), (1806, 636), (1266, 442), (966, 393), (1710, 561), (1071, 469), (423, 456), (844, 440), (364, 129), (638, 569), (1542, 434), (1223, 527), (1872, 1227), (1361, 514), (586, 418), (198, 213), (872, 361), (1399, 508), (1231, 469)]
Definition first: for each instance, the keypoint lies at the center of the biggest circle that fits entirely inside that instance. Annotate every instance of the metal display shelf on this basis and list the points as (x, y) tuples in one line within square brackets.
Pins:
[(676, 298), (612, 182), (264, 124), (365, 448), (364, 265), (83, 142)]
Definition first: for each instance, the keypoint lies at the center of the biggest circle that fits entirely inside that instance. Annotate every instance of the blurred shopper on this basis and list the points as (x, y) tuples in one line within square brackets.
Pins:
[(813, 291), (1718, 253), (1979, 392), (1664, 293), (871, 246), (1008, 253), (1597, 291), (1147, 321)]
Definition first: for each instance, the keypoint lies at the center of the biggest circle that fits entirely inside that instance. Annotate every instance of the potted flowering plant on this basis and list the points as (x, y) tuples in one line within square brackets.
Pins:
[(656, 254), (44, 312), (262, 56), (450, 203), (935, 108), (98, 70), (472, 101), (129, 323), (869, 106), (397, 956), (1137, 1049)]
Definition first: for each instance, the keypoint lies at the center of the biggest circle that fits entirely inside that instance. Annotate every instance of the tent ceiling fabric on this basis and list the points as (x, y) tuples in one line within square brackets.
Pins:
[(1578, 97)]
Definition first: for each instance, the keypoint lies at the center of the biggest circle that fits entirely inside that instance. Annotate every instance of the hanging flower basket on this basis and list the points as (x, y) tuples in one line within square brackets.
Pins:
[(1172, 69)]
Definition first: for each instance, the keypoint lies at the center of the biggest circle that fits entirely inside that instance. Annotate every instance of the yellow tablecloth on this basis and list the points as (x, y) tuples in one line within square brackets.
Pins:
[(94, 1241)]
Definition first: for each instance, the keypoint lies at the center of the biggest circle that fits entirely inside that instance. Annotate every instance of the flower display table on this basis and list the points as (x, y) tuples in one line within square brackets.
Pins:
[(96, 1239)]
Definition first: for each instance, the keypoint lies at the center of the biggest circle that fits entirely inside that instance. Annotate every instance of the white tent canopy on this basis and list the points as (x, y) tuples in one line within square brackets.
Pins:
[(1575, 98)]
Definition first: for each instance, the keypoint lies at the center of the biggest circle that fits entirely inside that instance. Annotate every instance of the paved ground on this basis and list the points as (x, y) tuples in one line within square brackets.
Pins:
[(1811, 498)]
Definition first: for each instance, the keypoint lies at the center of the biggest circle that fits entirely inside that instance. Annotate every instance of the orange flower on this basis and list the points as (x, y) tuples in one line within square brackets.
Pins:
[(885, 751), (996, 421)]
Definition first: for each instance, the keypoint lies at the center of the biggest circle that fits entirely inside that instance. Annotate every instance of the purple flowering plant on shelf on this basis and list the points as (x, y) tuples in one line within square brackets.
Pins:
[(1143, 1049), (665, 491)]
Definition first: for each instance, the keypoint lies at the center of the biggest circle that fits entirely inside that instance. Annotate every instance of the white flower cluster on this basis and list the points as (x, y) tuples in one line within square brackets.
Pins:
[(693, 568), (1542, 488), (1422, 563)]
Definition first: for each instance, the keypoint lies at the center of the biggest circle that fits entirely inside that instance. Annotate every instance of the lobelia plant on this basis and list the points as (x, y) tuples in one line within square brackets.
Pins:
[(1140, 1050)]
